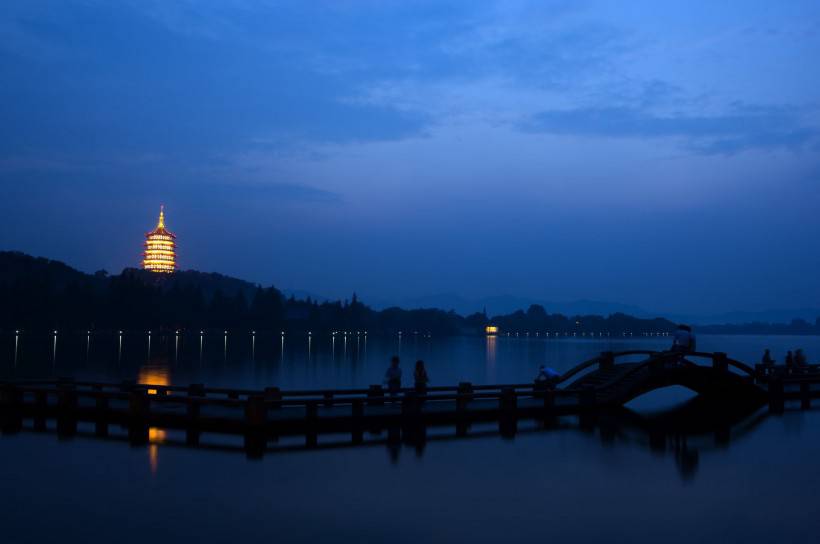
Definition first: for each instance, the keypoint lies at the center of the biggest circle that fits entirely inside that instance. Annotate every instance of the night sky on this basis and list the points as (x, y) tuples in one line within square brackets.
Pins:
[(663, 154)]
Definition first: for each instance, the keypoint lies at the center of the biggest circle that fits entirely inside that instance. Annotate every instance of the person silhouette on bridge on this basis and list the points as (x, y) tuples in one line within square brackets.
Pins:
[(767, 361), (421, 378), (546, 376), (683, 339), (789, 362), (393, 376)]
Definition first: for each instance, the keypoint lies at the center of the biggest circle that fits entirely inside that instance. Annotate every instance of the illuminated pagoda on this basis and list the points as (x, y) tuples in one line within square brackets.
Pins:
[(160, 248)]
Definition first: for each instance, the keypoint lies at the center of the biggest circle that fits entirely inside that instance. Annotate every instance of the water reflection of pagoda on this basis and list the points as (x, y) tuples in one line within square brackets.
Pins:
[(160, 248)]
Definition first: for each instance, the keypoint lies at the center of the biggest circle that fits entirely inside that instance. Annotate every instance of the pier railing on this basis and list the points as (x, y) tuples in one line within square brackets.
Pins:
[(196, 408)]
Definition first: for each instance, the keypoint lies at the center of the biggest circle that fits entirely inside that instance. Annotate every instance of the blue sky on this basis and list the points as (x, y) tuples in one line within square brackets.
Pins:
[(664, 154)]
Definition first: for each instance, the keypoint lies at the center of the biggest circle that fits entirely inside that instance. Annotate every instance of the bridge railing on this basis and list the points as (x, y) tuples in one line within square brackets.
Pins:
[(43, 392), (719, 361), (200, 390), (605, 359)]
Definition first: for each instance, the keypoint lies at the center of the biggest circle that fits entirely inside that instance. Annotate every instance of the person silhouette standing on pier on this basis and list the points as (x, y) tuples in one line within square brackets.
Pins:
[(421, 378), (789, 362), (767, 361), (393, 376)]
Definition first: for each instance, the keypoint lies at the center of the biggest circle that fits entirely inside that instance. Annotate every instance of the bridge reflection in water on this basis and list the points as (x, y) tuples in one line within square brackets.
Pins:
[(682, 433)]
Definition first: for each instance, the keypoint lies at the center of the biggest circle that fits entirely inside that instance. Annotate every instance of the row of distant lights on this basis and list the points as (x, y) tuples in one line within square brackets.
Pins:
[(424, 335), (415, 333), (527, 334), (17, 331)]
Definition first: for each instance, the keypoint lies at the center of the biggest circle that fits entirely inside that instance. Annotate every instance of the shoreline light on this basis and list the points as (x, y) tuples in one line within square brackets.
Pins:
[(160, 248)]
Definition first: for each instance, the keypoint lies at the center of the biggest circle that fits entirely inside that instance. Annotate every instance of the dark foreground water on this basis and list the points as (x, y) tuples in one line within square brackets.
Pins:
[(666, 470)]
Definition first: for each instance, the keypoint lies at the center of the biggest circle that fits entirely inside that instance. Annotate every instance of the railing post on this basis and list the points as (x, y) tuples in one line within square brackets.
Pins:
[(256, 414), (328, 396), (805, 396), (410, 405), (274, 396), (138, 413), (40, 410), (508, 400), (606, 361), (10, 408), (508, 405), (549, 403), (375, 395), (465, 395), (410, 417), (196, 391), (66, 408), (312, 420), (776, 401), (357, 408), (101, 412), (719, 362)]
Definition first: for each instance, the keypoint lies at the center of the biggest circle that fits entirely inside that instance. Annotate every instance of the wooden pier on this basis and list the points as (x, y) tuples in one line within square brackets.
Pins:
[(597, 385)]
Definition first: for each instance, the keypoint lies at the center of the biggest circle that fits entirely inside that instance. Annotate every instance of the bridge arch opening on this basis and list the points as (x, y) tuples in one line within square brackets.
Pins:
[(661, 399)]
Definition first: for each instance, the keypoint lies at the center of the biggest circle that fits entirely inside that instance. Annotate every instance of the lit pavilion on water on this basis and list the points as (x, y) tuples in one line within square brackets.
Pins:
[(160, 248)]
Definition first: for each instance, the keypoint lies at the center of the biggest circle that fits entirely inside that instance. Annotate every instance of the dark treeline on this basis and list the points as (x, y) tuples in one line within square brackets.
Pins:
[(38, 293)]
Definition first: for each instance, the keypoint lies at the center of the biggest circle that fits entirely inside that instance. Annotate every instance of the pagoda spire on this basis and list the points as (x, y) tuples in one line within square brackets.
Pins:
[(160, 247)]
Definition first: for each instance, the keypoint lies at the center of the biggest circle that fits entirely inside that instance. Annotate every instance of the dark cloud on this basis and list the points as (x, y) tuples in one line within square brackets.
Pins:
[(125, 82), (741, 129), (270, 190)]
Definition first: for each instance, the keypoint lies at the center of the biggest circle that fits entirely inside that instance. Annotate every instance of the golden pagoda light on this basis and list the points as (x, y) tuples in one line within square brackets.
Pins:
[(160, 248)]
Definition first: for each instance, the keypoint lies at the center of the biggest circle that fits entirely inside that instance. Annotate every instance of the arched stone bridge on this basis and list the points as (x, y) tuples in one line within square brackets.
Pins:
[(615, 383)]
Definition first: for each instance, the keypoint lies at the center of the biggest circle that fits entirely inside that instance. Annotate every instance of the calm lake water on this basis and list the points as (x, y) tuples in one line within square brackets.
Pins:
[(663, 471)]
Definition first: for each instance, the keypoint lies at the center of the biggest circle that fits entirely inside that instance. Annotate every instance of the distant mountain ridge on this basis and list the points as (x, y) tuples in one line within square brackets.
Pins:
[(508, 303), (762, 316)]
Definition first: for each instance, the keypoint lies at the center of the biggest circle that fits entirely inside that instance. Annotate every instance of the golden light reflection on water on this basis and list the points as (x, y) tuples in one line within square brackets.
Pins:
[(156, 437), (491, 355), (491, 351), (154, 375)]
